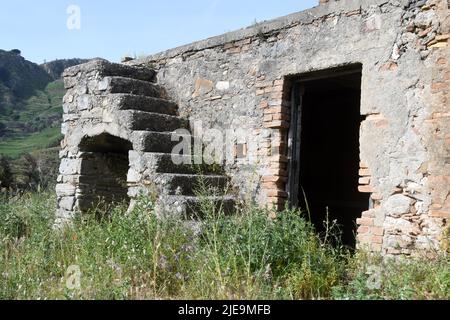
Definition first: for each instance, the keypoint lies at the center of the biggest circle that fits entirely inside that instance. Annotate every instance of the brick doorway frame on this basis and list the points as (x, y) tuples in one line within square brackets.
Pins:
[(293, 91)]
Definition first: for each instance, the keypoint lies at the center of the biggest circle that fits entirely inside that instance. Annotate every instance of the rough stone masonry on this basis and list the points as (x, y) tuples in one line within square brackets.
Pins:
[(118, 118)]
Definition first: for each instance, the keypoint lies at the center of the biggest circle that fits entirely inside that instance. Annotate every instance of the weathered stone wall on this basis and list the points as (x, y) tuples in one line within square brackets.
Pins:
[(241, 81)]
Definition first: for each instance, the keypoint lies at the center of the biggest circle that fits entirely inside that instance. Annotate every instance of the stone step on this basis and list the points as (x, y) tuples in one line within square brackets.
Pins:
[(189, 207), (161, 142), (132, 86), (168, 163), (105, 68), (124, 101), (189, 184), (149, 121)]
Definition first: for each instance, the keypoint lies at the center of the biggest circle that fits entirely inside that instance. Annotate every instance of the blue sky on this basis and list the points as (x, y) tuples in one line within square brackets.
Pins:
[(113, 28)]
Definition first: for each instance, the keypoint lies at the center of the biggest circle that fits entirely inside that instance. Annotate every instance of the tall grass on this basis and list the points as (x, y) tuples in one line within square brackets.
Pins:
[(241, 256), (418, 278)]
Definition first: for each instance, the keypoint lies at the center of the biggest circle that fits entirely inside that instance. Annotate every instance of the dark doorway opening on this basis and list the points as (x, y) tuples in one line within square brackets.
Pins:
[(104, 170), (325, 145)]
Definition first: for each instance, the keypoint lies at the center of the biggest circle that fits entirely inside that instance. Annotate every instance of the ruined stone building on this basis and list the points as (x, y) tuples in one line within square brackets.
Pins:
[(345, 105)]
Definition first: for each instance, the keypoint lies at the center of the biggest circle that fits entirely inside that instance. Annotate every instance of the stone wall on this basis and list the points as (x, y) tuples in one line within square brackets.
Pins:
[(241, 81)]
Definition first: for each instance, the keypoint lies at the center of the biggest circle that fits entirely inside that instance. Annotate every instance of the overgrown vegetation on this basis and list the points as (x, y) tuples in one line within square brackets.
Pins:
[(243, 256)]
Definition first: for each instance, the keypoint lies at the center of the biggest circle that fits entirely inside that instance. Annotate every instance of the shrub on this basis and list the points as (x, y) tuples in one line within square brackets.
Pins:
[(6, 176)]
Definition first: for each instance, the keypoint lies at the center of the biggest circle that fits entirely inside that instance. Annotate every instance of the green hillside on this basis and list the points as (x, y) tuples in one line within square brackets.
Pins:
[(30, 103), (14, 147), (36, 124), (30, 120)]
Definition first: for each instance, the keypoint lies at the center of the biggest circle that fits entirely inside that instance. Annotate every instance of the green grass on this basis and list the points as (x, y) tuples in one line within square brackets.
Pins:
[(15, 147), (242, 256)]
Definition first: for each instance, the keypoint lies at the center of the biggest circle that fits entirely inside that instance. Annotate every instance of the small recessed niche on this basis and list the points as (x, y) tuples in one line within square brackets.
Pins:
[(241, 150)]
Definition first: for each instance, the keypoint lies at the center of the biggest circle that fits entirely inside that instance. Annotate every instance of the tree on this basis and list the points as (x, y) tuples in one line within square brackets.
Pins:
[(6, 176), (47, 167), (16, 51), (2, 129), (27, 173)]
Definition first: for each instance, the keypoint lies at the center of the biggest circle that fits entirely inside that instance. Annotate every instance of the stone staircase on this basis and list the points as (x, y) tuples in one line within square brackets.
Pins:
[(142, 109)]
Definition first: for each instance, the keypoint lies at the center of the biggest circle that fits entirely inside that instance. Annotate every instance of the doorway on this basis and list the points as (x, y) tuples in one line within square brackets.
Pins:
[(324, 140), (104, 169)]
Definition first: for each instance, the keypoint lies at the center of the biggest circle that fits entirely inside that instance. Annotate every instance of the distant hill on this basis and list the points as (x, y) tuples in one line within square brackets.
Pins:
[(19, 79), (30, 103), (56, 68)]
